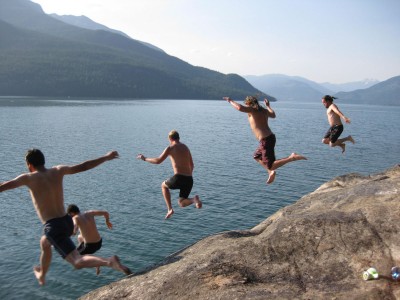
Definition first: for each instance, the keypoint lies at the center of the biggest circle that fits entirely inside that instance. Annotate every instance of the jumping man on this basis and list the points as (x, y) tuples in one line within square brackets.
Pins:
[(334, 118), (182, 164), (258, 120), (46, 189)]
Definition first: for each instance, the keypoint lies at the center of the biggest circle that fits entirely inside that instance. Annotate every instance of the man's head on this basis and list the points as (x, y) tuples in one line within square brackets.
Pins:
[(327, 100), (73, 210), (252, 102), (173, 135), (35, 158)]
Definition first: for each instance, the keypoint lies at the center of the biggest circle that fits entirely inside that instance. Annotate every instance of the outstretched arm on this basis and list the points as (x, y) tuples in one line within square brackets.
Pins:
[(103, 213), (21, 180), (339, 113), (90, 164), (155, 160), (236, 105), (271, 112)]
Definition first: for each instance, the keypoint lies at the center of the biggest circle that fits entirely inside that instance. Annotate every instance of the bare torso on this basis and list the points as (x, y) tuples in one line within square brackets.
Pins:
[(181, 159), (46, 188), (258, 120), (87, 227), (333, 117)]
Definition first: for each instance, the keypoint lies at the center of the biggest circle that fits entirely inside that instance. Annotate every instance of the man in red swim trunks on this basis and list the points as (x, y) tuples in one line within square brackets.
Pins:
[(182, 164), (258, 119)]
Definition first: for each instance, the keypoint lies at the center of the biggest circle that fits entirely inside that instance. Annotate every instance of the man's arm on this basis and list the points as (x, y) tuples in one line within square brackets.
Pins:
[(76, 226), (17, 182), (271, 112), (155, 160), (90, 164), (103, 213), (236, 105), (339, 113)]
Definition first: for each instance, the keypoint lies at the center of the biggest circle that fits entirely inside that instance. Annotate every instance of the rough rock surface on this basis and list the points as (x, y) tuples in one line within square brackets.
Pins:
[(316, 248)]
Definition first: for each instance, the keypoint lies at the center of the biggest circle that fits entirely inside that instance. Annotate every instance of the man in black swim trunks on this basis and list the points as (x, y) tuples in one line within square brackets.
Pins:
[(334, 118), (182, 164), (258, 120), (46, 188), (89, 238)]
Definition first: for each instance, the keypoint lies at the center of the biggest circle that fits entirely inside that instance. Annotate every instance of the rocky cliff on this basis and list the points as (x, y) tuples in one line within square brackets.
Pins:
[(316, 248)]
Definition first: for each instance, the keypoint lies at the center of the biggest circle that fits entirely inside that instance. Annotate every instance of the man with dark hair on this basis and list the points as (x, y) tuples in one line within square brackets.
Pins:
[(334, 114), (89, 238), (46, 188), (182, 164), (258, 120)]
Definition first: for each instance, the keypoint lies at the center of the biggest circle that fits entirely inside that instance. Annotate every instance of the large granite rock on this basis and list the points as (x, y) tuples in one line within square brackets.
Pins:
[(316, 248)]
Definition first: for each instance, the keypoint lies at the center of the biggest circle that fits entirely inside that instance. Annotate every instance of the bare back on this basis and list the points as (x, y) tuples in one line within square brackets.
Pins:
[(258, 120), (46, 188), (87, 227), (181, 159)]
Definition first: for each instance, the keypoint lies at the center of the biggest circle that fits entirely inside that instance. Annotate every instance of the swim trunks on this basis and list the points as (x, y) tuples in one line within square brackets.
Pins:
[(266, 150), (58, 232), (183, 183), (333, 133), (89, 248)]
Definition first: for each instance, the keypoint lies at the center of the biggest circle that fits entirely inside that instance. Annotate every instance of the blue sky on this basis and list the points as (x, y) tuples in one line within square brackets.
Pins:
[(333, 41)]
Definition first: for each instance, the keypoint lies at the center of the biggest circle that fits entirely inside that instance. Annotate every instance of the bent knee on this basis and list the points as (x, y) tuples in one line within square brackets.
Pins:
[(180, 202)]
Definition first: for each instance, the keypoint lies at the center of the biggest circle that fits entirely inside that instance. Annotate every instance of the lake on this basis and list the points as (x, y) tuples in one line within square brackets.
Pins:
[(227, 179)]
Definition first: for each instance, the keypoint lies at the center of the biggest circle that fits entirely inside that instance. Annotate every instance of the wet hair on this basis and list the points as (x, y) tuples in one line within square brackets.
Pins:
[(35, 157), (72, 208), (328, 98), (174, 135), (252, 101)]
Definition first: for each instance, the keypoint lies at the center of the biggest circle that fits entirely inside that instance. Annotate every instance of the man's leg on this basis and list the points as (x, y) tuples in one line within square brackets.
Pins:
[(45, 260), (167, 198), (90, 261), (279, 163), (341, 142), (183, 202)]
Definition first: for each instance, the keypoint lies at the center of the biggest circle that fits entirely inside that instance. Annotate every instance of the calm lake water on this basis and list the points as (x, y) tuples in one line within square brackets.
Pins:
[(231, 185)]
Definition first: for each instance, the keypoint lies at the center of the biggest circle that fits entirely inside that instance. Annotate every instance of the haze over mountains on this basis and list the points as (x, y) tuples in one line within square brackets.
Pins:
[(72, 56), (295, 88), (43, 56)]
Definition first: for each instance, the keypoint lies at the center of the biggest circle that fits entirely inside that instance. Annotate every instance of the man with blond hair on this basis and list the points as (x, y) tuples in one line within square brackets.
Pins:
[(258, 120)]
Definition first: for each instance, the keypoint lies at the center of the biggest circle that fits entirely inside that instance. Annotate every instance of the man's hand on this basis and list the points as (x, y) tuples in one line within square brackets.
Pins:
[(227, 99), (266, 101), (141, 156), (109, 224), (112, 154), (347, 120)]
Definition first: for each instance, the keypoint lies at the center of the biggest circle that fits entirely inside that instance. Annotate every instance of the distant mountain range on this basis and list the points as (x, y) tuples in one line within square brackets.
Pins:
[(45, 55), (294, 88)]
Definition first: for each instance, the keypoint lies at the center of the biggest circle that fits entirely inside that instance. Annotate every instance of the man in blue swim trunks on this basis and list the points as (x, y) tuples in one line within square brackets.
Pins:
[(334, 118), (46, 189), (89, 238), (258, 120), (182, 164)]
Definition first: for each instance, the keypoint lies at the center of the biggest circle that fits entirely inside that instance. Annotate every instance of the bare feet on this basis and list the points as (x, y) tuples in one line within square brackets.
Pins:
[(197, 202), (169, 213), (116, 265), (350, 138), (271, 177), (295, 156), (97, 270), (38, 274), (343, 146)]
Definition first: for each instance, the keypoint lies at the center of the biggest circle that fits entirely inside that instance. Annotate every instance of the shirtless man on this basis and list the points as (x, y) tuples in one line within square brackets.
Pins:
[(334, 114), (46, 189), (89, 238), (258, 119), (182, 164)]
